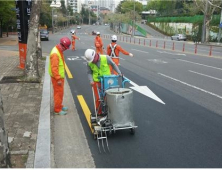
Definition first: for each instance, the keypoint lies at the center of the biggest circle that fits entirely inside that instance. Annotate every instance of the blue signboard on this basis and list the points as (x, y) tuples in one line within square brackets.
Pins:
[(220, 26)]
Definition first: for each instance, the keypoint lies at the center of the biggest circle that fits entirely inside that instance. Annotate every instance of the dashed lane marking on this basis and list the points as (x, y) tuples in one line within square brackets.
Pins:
[(69, 74), (85, 109)]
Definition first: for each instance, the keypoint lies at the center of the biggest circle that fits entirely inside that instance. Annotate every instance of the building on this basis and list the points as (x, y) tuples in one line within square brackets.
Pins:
[(75, 5)]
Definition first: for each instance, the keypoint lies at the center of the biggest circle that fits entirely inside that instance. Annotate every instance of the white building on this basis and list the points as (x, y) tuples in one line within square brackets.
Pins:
[(75, 5)]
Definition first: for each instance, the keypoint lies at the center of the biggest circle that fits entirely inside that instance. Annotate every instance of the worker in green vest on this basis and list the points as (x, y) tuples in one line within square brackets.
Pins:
[(98, 65)]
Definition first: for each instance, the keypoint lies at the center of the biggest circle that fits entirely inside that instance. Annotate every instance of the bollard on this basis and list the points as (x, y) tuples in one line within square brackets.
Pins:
[(164, 45), (123, 39), (144, 42), (139, 41), (183, 47), (156, 44), (130, 40), (150, 43), (134, 40), (173, 46), (210, 53), (195, 49), (126, 39)]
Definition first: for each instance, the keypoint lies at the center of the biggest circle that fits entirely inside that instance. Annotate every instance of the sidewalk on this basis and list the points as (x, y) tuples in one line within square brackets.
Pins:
[(21, 102), (33, 136)]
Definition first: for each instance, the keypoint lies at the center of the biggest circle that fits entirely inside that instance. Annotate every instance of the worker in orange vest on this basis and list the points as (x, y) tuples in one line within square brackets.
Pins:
[(113, 50), (98, 43), (74, 37), (57, 73)]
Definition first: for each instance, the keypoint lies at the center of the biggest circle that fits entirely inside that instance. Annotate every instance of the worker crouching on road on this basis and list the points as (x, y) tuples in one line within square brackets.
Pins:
[(98, 65), (57, 73), (98, 43), (113, 50), (74, 38)]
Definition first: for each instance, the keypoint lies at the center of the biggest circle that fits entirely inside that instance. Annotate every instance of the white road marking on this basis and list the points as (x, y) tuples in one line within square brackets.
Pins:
[(205, 75), (71, 58), (145, 91), (213, 94), (170, 53), (140, 51), (157, 61), (200, 64)]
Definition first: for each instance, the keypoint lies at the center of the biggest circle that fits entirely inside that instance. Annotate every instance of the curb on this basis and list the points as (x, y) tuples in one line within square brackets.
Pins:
[(42, 154)]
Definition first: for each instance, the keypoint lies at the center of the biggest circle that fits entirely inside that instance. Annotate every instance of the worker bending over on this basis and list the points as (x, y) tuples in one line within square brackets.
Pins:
[(98, 65)]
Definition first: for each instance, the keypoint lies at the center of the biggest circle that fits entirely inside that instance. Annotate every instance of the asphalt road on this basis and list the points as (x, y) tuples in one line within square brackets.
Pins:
[(184, 132)]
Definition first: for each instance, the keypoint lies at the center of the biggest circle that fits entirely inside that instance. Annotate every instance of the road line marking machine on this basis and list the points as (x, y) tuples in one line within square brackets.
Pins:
[(116, 103)]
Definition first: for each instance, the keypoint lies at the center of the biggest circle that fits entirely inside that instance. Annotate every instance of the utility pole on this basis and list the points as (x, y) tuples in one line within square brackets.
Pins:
[(133, 25), (203, 39), (220, 27)]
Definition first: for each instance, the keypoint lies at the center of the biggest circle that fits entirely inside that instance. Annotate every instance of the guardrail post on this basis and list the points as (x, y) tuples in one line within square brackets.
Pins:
[(195, 49), (210, 53)]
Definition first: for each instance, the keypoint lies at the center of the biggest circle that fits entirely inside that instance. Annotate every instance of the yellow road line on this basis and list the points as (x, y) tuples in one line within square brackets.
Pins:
[(86, 110), (68, 72)]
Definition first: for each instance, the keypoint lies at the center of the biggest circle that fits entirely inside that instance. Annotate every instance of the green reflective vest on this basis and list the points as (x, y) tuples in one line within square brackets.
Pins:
[(104, 69), (61, 63)]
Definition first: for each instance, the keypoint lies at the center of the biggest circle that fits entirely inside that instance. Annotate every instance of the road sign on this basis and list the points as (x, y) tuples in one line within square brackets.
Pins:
[(220, 25)]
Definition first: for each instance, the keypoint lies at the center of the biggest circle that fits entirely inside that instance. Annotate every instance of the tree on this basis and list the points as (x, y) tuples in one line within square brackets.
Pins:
[(4, 149), (7, 15), (207, 7), (31, 66)]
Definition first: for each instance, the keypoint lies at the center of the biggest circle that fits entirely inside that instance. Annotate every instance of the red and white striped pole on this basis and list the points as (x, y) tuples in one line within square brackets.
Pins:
[(183, 47)]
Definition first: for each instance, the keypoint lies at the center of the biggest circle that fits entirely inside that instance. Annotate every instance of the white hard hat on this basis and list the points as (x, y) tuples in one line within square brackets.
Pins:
[(90, 54), (73, 31), (114, 38), (98, 33)]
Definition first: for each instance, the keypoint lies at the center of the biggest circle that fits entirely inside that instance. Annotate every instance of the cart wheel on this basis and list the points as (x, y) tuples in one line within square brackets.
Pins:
[(132, 131), (94, 137)]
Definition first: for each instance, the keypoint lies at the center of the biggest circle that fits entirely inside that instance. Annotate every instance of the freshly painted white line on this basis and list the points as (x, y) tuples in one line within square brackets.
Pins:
[(145, 91), (140, 51), (205, 75), (200, 64), (213, 94)]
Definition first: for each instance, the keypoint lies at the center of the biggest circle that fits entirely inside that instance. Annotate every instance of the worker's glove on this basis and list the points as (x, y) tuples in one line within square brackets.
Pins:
[(59, 82), (130, 54), (92, 83)]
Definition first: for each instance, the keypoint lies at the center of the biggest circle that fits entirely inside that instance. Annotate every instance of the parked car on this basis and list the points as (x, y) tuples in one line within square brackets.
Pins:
[(93, 32), (78, 27), (179, 37), (44, 34)]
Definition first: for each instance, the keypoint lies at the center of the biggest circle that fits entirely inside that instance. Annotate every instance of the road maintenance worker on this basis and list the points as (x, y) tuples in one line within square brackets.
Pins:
[(74, 38), (98, 65), (113, 50), (98, 43), (57, 73)]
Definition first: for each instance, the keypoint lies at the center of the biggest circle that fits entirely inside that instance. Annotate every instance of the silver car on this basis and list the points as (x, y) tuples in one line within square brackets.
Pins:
[(179, 37)]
